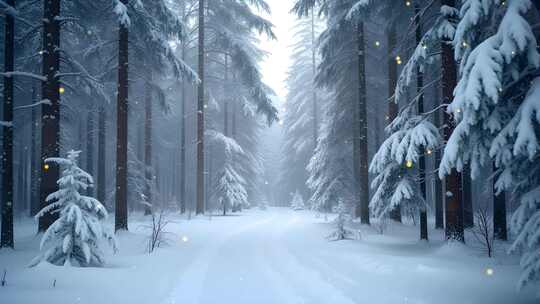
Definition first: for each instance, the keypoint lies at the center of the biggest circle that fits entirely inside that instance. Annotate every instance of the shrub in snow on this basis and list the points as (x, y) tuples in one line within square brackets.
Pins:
[(483, 229), (75, 237), (158, 236), (297, 202), (341, 232)]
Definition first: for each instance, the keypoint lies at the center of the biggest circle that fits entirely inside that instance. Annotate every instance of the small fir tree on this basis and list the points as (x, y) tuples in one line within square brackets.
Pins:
[(75, 237), (341, 232), (297, 202)]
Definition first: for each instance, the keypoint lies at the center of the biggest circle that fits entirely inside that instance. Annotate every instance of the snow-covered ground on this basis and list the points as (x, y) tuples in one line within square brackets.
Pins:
[(276, 256)]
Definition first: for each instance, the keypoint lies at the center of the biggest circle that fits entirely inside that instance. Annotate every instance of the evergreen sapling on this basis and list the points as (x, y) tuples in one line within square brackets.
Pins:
[(74, 238)]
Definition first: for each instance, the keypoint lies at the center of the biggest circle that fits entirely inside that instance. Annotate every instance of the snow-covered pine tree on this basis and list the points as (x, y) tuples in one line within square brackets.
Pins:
[(496, 107), (297, 202), (344, 214), (332, 171), (411, 135), (74, 239), (301, 120), (397, 181), (229, 187)]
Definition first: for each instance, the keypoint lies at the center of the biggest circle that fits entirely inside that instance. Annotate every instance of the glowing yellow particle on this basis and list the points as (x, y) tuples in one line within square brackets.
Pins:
[(377, 43), (408, 3), (409, 164), (46, 167), (429, 151), (489, 271), (61, 90), (464, 44)]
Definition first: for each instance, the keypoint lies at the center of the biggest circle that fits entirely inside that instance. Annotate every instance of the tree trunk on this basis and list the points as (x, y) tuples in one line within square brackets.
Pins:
[(148, 174), (468, 211), (6, 238), (121, 214), (183, 130), (395, 214), (439, 197), (226, 120), (360, 142), (50, 112), (200, 115), (453, 199), (101, 191), (314, 67), (34, 163), (422, 161), (90, 148), (499, 214)]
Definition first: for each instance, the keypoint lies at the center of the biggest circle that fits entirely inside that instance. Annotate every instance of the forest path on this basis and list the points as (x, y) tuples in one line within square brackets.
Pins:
[(249, 262), (281, 257)]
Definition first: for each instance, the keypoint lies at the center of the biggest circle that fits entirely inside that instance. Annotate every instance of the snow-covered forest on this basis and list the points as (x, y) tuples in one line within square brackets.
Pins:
[(270, 151)]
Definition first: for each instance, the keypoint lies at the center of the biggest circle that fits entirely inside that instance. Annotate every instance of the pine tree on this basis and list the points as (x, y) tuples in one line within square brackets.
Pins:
[(228, 189), (341, 232), (298, 125), (74, 238), (297, 202), (494, 105)]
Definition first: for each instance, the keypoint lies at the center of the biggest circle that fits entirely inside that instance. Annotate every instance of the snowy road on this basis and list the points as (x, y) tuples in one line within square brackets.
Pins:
[(281, 256), (276, 256)]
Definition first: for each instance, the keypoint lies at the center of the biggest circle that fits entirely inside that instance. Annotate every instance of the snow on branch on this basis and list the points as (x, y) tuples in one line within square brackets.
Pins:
[(23, 74), (230, 145), (7, 124), (7, 9), (41, 102), (121, 12)]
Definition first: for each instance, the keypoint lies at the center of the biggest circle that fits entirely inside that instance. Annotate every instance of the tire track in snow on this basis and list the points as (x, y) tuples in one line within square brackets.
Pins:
[(309, 284)]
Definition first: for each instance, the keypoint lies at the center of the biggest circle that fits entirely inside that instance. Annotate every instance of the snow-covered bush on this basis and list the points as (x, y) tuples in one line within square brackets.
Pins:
[(75, 237), (297, 202), (341, 232)]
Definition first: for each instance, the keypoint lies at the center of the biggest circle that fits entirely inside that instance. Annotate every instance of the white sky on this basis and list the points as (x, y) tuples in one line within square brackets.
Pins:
[(274, 67)]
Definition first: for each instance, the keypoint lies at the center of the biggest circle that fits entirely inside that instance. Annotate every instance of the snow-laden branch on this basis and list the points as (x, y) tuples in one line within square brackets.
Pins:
[(23, 74), (41, 102), (7, 9), (7, 124)]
